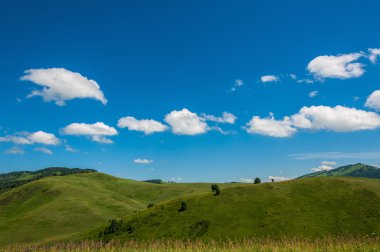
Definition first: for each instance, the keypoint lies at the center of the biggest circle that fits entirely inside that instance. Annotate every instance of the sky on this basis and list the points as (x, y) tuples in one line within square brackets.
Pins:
[(189, 90)]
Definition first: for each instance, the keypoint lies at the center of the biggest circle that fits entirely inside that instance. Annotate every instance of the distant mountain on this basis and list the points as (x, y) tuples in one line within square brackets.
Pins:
[(18, 178), (354, 170)]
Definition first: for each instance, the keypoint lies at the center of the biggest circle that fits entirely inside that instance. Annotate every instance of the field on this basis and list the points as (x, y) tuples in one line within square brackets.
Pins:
[(55, 208), (337, 244), (312, 207)]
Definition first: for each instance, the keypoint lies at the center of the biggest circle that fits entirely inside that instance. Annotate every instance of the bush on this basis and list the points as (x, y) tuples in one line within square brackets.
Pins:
[(150, 205), (215, 189), (183, 207), (257, 181)]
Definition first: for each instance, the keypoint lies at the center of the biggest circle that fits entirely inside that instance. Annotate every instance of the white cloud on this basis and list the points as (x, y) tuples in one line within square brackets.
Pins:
[(44, 138), (270, 127), (223, 132), (15, 151), (307, 81), (373, 54), (247, 180), (340, 67), (70, 149), (185, 122), (44, 150), (330, 163), (278, 179), (97, 131), (269, 78), (373, 101), (16, 139), (143, 161), (238, 83), (31, 138), (226, 118), (313, 94), (60, 85), (292, 76), (148, 126), (338, 118), (322, 168)]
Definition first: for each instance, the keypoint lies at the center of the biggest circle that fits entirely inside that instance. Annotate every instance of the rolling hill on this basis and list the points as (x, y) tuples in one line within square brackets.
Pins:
[(311, 207), (56, 207), (354, 170), (19, 178)]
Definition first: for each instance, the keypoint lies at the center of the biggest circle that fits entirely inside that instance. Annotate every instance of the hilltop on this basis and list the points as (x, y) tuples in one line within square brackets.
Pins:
[(57, 207), (311, 207), (19, 178), (354, 170)]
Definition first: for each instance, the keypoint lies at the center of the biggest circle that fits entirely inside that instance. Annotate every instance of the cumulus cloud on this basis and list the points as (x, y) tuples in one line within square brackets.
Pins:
[(185, 122), (313, 94), (44, 150), (330, 163), (226, 118), (338, 118), (341, 66), (15, 151), (148, 126), (269, 78), (143, 161), (278, 179), (270, 126), (373, 54), (60, 85), (97, 131), (247, 180), (32, 138), (44, 138), (373, 101), (237, 83)]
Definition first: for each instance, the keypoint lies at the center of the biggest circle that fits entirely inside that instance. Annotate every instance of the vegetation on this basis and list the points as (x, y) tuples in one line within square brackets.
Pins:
[(19, 178), (293, 244), (215, 189), (312, 207), (257, 181), (57, 207), (355, 170)]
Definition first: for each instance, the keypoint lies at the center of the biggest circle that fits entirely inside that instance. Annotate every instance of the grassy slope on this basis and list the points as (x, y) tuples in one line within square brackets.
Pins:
[(355, 170), (57, 207), (309, 207)]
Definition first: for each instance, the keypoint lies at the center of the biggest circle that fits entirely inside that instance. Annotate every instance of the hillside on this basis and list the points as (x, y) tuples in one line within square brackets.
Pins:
[(58, 206), (354, 170), (19, 178), (308, 207)]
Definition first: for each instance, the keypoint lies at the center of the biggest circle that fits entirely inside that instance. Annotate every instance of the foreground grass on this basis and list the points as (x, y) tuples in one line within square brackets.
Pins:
[(263, 244)]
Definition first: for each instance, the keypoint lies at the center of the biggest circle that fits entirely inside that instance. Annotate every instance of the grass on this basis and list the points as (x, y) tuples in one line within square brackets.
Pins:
[(365, 244), (311, 207), (55, 208)]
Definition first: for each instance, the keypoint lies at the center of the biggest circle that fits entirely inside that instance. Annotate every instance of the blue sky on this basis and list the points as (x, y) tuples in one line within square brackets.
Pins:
[(71, 70)]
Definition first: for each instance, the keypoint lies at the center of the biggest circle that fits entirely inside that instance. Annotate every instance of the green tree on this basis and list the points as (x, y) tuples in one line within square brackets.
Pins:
[(215, 189), (257, 181)]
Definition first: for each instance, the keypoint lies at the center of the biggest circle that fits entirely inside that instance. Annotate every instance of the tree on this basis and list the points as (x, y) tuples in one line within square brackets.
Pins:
[(183, 207), (272, 180), (257, 181), (215, 189)]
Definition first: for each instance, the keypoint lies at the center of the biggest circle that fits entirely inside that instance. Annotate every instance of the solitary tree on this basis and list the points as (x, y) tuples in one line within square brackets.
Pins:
[(215, 189), (257, 181), (183, 207), (272, 180)]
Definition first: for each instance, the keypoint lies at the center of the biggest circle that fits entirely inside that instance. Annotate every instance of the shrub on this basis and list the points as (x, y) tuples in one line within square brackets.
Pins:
[(257, 181), (183, 206), (215, 189)]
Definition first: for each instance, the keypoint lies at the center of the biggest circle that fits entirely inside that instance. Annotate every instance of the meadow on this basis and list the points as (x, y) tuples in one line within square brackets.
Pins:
[(292, 244)]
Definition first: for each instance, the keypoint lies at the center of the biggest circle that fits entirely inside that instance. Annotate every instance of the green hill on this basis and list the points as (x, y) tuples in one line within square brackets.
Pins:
[(57, 207), (328, 206), (355, 170), (19, 178)]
